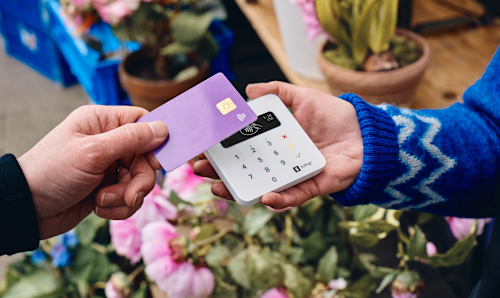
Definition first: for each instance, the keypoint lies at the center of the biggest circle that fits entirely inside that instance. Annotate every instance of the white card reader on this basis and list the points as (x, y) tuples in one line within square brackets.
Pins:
[(273, 153)]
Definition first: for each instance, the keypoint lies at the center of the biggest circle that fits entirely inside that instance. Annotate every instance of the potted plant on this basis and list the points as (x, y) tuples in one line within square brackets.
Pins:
[(176, 44), (365, 53), (184, 242)]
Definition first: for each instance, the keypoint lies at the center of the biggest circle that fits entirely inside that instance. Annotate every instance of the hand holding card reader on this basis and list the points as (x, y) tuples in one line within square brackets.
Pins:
[(271, 154)]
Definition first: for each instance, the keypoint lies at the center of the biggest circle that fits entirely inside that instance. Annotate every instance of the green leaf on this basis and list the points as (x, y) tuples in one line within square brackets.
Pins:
[(142, 291), (40, 284), (91, 266), (216, 254), (314, 246), (235, 211), (264, 270), (457, 254), (424, 218), (387, 280), (418, 245), (364, 239), (299, 285), (368, 260), (190, 28), (176, 200), (361, 31), (239, 270), (223, 292), (327, 265), (296, 255), (379, 226), (256, 219), (208, 47), (87, 229), (362, 212), (207, 230), (362, 288)]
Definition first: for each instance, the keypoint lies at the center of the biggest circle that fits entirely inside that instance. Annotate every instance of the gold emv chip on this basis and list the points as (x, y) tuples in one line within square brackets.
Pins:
[(226, 106)]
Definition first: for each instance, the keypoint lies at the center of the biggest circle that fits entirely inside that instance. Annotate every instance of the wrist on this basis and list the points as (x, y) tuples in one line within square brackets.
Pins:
[(380, 154), (31, 179)]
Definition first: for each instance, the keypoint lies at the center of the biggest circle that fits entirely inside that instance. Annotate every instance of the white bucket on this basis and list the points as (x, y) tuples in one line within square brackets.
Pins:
[(300, 52)]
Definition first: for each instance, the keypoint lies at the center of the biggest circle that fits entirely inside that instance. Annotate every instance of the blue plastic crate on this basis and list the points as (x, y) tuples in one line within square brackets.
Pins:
[(225, 39), (29, 11), (99, 79), (33, 46)]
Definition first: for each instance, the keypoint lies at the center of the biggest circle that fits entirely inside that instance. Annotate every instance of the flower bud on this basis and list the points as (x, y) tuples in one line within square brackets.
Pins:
[(118, 286), (178, 248), (407, 284)]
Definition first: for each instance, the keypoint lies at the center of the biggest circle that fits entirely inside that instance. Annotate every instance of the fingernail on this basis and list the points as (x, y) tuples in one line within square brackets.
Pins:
[(159, 128), (102, 211), (108, 198), (138, 198)]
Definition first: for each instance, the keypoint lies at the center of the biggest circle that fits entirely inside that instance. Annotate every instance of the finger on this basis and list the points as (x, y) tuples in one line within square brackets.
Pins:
[(106, 117), (129, 139), (205, 169), (155, 164), (123, 175), (127, 160), (202, 156), (142, 183), (220, 190), (116, 213), (110, 174), (292, 197), (111, 196), (291, 95)]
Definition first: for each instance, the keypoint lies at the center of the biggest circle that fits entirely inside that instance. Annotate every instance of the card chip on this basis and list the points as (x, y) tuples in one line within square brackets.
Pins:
[(226, 106)]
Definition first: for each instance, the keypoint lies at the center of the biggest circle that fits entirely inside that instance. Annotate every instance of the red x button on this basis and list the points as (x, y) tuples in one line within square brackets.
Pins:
[(284, 137)]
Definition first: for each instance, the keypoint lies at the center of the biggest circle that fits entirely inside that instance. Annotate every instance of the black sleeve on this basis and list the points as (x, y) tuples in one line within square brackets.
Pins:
[(18, 221)]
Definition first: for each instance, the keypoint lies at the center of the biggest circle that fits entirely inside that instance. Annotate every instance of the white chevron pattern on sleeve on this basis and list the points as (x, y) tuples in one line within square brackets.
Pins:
[(413, 164), (446, 163)]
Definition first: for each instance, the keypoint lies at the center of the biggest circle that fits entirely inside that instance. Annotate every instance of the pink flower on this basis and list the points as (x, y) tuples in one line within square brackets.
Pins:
[(431, 249), (115, 12), (273, 293), (461, 227), (183, 181), (337, 284), (221, 206), (110, 291), (310, 18), (160, 252), (82, 4), (126, 238), (98, 4), (126, 234), (155, 208), (179, 284), (203, 283)]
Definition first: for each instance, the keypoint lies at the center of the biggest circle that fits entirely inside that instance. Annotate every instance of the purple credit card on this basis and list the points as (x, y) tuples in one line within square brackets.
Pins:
[(198, 119)]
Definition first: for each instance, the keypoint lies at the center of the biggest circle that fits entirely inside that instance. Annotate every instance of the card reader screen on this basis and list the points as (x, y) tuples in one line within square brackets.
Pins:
[(265, 122)]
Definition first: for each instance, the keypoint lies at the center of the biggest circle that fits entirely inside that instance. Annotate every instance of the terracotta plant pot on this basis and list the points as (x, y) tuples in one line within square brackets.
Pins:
[(394, 86), (151, 94)]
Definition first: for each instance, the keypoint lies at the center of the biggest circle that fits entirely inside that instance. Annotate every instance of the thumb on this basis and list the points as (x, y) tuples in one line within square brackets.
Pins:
[(130, 139)]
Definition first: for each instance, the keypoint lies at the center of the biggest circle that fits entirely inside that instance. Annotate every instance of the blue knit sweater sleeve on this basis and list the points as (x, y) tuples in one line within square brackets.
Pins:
[(445, 162)]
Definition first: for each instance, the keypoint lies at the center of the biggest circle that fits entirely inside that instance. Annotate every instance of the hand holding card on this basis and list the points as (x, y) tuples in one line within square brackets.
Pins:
[(198, 119)]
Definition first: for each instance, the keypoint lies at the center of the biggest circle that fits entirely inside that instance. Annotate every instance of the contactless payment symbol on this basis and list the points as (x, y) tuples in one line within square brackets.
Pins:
[(251, 129), (226, 106)]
